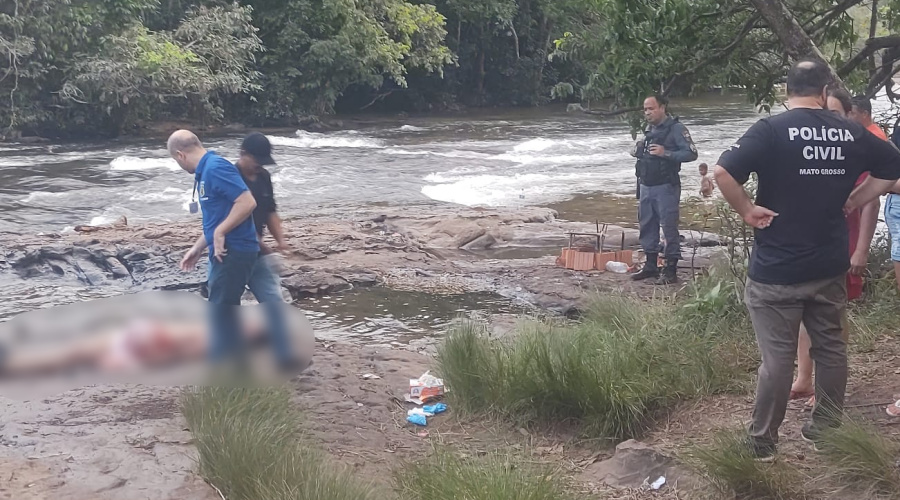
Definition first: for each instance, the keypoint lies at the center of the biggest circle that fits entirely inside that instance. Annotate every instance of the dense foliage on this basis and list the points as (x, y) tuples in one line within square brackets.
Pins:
[(105, 66)]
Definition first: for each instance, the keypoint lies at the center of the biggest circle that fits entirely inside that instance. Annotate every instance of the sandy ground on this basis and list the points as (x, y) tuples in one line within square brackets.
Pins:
[(129, 442), (123, 443)]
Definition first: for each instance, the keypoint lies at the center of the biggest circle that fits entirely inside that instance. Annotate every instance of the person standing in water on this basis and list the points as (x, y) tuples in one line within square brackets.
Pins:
[(665, 146), (707, 186), (264, 282)]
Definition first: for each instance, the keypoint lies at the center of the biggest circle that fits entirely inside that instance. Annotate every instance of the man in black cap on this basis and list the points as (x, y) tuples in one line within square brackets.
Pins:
[(265, 283)]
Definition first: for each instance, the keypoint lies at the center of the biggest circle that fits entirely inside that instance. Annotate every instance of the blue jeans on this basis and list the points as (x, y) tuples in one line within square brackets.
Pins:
[(227, 280), (659, 206), (266, 287), (892, 219)]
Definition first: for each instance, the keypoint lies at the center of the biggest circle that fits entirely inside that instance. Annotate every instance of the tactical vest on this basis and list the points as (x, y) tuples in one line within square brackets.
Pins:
[(655, 170)]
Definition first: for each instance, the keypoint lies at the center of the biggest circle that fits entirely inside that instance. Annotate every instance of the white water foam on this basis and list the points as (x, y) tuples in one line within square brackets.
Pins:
[(535, 145), (133, 163), (168, 194), (500, 190), (412, 128), (101, 220), (38, 196), (315, 140), (471, 155)]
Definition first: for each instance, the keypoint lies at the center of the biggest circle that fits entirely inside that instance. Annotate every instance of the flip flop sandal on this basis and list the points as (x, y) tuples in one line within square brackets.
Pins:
[(894, 409)]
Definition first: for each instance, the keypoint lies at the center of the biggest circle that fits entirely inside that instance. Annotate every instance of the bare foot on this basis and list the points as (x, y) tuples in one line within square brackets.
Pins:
[(802, 389)]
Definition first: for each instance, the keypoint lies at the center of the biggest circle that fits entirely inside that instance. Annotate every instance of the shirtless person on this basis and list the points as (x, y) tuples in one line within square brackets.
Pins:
[(706, 181), (861, 228)]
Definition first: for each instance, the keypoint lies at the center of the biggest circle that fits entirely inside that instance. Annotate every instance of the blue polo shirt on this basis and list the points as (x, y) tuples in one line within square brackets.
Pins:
[(218, 184)]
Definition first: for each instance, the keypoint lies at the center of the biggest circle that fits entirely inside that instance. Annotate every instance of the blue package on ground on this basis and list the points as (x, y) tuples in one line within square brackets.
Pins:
[(416, 419), (435, 408)]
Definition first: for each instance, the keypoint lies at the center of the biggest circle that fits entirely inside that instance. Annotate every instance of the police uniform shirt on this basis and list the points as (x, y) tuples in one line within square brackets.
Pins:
[(218, 185), (807, 162)]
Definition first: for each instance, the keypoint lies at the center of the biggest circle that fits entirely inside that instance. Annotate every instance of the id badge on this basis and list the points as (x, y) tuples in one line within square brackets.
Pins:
[(194, 207)]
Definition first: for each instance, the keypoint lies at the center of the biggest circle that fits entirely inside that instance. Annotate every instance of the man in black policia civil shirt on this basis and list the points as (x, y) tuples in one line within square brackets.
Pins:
[(806, 161), (665, 146)]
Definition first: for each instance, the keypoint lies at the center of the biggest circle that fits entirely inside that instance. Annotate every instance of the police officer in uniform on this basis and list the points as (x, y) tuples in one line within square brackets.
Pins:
[(665, 146)]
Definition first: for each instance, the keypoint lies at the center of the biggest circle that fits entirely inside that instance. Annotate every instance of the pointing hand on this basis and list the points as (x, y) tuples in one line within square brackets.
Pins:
[(760, 217)]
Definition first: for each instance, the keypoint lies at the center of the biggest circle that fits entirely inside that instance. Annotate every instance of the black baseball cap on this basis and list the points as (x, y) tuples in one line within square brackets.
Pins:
[(258, 146)]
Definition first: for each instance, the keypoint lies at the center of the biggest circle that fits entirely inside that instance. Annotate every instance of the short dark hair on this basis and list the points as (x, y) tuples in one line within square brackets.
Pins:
[(843, 96), (808, 77), (863, 103), (660, 99)]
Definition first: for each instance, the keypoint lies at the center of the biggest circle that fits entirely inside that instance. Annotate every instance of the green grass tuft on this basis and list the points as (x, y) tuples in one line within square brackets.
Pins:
[(610, 374), (730, 466), (250, 448), (863, 458), (446, 476)]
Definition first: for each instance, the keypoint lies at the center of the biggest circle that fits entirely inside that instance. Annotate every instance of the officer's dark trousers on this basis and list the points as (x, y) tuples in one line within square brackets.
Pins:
[(659, 207)]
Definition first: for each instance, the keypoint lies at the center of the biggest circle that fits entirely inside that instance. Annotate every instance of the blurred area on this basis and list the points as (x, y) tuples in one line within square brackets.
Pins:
[(153, 338)]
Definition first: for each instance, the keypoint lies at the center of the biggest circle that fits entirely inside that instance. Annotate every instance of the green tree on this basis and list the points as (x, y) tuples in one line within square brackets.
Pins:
[(317, 49), (633, 48)]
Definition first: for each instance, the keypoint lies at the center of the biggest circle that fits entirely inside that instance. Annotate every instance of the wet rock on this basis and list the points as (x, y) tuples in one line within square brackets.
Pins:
[(466, 234), (703, 257), (557, 305), (310, 254), (359, 277), (302, 285), (483, 242), (116, 267), (136, 256), (636, 463), (699, 239)]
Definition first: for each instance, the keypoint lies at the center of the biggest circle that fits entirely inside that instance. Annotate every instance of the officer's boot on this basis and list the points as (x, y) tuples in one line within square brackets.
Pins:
[(650, 270), (669, 274)]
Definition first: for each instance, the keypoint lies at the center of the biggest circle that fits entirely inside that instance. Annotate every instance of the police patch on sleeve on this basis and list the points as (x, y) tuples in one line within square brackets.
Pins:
[(687, 137)]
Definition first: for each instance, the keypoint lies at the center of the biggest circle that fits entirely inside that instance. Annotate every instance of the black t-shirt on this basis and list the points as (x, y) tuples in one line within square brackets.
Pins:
[(807, 162), (262, 192)]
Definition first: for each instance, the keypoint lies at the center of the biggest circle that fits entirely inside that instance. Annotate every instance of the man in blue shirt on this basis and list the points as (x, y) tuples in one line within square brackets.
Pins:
[(228, 233)]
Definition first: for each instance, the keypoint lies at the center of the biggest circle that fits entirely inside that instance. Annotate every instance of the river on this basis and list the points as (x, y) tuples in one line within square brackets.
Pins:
[(503, 158), (574, 162)]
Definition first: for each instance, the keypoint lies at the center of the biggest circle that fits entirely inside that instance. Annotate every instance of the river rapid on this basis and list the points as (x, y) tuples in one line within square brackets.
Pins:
[(574, 162), (507, 158)]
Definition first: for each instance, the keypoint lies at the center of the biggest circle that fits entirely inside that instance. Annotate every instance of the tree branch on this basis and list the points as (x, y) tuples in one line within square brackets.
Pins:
[(830, 15), (872, 45), (886, 72), (723, 52), (797, 42)]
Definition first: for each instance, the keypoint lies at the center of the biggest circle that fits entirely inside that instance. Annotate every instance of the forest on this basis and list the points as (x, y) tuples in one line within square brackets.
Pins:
[(86, 68)]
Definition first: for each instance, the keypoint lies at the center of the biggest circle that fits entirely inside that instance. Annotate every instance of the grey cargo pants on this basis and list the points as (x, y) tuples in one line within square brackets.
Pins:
[(776, 312)]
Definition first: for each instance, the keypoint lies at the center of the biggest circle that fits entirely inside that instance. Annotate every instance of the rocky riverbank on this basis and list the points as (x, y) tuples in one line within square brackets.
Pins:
[(437, 249)]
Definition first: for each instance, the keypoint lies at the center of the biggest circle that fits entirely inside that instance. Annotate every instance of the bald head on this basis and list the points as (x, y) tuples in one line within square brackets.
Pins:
[(808, 78), (186, 149), (183, 140)]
